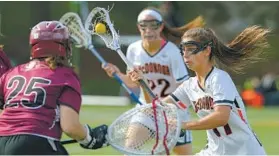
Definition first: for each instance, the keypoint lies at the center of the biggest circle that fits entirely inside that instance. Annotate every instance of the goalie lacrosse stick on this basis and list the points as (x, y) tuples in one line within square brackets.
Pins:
[(82, 39), (110, 37), (134, 132)]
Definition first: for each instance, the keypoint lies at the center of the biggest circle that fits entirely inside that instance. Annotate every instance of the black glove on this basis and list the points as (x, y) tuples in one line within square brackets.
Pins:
[(96, 138), (182, 133)]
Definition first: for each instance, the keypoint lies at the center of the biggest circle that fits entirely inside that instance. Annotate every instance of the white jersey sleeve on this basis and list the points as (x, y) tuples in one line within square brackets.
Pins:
[(178, 67), (181, 95), (222, 89)]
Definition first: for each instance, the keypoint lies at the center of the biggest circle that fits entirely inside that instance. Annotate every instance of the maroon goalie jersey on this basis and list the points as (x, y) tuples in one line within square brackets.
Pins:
[(30, 96)]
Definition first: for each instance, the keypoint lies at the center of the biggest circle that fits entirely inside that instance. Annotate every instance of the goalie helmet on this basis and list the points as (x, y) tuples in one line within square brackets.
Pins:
[(50, 38)]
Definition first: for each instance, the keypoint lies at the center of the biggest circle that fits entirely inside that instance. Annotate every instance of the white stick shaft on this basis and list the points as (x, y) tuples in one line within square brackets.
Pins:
[(123, 57), (130, 66)]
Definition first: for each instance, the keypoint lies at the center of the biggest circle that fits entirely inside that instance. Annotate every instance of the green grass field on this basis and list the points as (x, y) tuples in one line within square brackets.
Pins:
[(265, 123)]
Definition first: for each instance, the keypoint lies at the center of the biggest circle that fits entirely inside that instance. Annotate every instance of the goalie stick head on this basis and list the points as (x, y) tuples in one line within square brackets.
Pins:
[(50, 38), (146, 130)]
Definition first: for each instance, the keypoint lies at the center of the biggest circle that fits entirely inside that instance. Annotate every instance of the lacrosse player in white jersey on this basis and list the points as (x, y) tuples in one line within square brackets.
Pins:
[(213, 94), (160, 61)]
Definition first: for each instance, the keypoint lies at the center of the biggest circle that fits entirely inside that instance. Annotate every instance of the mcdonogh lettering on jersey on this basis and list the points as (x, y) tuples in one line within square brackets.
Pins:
[(203, 103), (154, 68)]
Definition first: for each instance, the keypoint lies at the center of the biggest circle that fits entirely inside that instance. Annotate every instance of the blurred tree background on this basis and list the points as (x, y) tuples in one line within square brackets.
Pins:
[(226, 18)]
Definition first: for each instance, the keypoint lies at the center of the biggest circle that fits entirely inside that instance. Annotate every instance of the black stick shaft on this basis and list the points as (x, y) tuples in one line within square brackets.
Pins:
[(65, 142)]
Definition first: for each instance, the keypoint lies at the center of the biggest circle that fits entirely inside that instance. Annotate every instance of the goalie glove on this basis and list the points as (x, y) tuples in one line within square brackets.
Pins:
[(95, 138)]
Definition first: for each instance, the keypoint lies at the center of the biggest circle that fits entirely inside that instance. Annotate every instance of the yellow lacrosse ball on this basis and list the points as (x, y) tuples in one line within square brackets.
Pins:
[(100, 28)]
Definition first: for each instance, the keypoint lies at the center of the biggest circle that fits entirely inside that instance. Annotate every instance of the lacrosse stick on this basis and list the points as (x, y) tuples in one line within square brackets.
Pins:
[(134, 132), (82, 39), (110, 37)]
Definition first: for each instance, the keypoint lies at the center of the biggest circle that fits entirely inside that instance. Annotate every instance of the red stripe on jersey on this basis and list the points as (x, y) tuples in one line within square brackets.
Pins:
[(181, 105), (163, 43), (240, 115)]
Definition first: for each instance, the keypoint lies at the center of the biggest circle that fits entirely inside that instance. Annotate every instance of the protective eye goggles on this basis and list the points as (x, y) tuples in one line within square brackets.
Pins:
[(193, 47), (152, 24)]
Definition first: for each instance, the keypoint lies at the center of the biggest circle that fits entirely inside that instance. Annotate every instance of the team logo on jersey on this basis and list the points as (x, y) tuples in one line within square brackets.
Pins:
[(154, 68), (203, 103)]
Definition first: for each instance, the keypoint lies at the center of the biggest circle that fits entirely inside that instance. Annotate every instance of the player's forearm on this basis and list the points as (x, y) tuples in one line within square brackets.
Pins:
[(76, 131), (69, 122), (216, 119)]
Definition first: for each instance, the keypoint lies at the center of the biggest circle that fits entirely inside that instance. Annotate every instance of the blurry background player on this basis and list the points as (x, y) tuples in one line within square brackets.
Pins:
[(42, 98), (160, 61), (5, 63), (212, 92), (171, 13)]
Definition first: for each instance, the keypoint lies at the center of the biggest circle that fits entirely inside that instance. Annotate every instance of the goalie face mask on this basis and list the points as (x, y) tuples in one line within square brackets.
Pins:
[(193, 47)]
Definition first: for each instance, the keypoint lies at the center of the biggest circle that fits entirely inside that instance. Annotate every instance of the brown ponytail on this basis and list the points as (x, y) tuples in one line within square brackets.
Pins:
[(245, 49), (175, 34), (57, 61)]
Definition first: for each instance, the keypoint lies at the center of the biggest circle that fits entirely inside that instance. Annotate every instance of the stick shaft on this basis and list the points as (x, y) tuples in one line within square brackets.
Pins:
[(130, 66), (65, 142), (102, 60)]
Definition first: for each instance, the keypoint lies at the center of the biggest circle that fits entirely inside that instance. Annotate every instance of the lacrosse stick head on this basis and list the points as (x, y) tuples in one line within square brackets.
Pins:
[(76, 29), (110, 36), (146, 130)]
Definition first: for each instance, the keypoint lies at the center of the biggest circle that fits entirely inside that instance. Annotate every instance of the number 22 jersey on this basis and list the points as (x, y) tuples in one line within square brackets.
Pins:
[(163, 70)]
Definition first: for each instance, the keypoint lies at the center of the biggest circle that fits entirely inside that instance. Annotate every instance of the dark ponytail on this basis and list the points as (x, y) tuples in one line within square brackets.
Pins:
[(245, 49)]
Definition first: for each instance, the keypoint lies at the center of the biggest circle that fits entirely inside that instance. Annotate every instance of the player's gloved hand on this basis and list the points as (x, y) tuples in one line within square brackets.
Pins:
[(181, 138), (182, 133), (95, 138)]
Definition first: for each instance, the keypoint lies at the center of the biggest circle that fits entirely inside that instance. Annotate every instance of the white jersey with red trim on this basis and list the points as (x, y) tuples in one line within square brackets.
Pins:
[(164, 70), (236, 137)]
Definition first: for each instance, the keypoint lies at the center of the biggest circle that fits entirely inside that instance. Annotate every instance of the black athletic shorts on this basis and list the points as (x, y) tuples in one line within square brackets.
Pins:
[(30, 145)]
